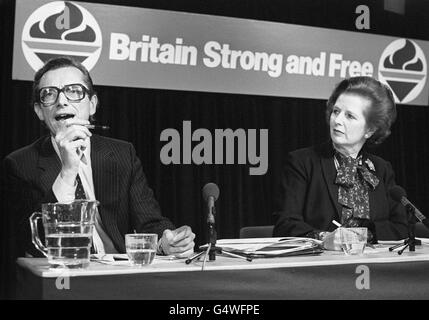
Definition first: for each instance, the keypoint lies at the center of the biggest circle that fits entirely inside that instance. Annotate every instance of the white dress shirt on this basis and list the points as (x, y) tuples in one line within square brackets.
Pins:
[(65, 192)]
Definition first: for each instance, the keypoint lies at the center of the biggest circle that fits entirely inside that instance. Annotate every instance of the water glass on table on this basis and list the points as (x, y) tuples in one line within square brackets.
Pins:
[(141, 248), (353, 240)]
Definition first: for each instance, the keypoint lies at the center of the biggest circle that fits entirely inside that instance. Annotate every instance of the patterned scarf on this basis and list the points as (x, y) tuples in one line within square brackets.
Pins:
[(354, 177)]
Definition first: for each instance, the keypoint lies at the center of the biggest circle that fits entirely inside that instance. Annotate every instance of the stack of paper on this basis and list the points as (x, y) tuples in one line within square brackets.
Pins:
[(271, 247)]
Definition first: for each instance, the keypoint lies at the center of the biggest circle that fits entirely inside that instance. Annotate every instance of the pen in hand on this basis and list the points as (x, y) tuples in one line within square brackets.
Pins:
[(336, 223), (95, 126)]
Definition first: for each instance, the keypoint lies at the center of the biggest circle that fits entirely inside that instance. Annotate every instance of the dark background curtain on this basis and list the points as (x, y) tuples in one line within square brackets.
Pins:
[(140, 115)]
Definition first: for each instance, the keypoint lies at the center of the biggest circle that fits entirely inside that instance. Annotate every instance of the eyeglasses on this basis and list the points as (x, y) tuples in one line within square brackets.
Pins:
[(74, 93)]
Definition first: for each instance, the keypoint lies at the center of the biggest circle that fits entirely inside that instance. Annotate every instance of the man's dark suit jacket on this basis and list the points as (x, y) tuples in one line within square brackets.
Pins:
[(126, 201), (310, 196)]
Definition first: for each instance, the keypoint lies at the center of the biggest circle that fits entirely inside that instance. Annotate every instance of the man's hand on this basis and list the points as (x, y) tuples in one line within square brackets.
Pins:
[(179, 242), (71, 141)]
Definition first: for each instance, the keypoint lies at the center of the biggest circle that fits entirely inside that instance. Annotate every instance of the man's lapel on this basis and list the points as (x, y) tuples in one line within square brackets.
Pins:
[(49, 163), (104, 171), (106, 185)]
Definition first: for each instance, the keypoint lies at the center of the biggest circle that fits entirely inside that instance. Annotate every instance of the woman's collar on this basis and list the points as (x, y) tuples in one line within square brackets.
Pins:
[(353, 155)]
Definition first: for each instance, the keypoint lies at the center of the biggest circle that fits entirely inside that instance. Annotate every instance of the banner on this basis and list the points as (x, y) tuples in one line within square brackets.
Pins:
[(146, 48)]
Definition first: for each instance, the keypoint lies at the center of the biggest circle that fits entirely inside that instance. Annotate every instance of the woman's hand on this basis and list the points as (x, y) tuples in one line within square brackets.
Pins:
[(332, 241)]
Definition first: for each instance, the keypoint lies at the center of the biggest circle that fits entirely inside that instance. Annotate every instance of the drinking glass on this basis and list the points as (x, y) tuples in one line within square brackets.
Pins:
[(353, 240), (141, 247)]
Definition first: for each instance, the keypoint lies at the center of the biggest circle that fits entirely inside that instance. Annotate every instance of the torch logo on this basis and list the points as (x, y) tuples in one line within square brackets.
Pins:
[(403, 67), (61, 28)]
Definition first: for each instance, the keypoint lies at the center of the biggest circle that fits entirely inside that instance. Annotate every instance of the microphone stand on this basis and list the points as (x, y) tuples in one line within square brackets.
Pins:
[(411, 241), (212, 249)]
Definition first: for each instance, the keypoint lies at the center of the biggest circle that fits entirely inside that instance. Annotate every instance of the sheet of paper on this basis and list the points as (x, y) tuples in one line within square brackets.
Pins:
[(268, 246)]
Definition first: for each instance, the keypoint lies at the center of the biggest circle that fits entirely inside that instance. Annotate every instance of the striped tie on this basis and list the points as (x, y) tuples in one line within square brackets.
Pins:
[(80, 192)]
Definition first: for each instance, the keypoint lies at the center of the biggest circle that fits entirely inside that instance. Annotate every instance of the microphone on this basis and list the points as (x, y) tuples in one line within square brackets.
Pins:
[(210, 195), (398, 193)]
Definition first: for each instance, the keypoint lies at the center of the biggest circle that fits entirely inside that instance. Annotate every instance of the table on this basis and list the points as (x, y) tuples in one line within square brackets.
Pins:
[(331, 275)]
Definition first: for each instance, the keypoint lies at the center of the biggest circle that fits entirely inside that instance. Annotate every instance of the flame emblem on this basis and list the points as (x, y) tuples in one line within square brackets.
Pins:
[(403, 68), (61, 28), (48, 28), (404, 59)]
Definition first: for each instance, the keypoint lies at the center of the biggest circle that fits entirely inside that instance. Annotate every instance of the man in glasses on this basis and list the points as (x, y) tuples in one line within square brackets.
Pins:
[(72, 163)]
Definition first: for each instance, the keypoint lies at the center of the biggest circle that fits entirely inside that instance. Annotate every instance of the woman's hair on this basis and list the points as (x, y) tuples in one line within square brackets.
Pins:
[(381, 113), (57, 63)]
